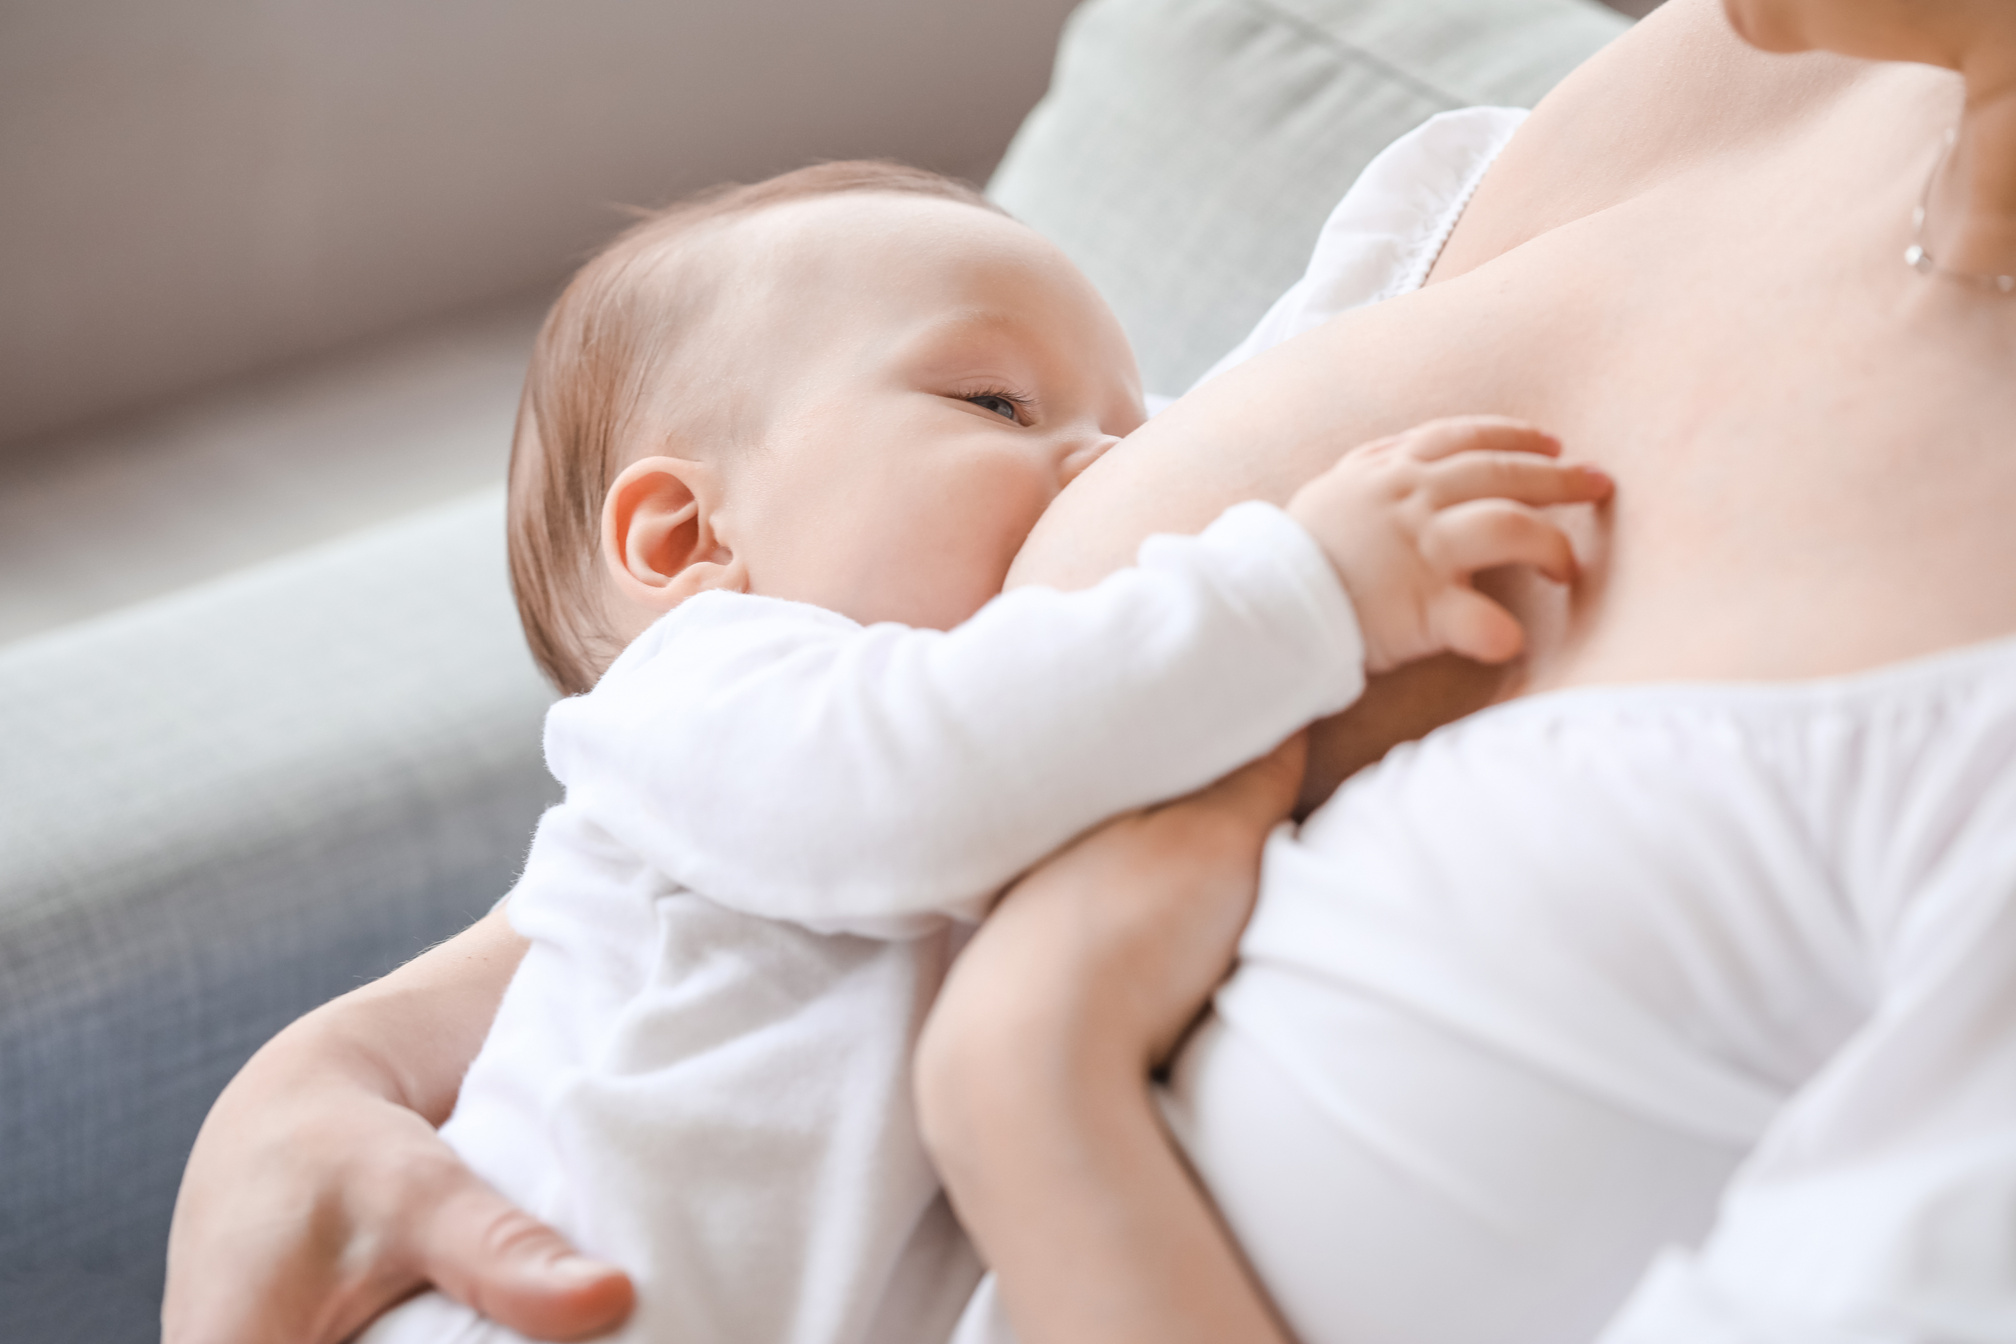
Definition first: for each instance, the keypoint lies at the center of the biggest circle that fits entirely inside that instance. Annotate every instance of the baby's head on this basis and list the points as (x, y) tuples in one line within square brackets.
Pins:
[(856, 385)]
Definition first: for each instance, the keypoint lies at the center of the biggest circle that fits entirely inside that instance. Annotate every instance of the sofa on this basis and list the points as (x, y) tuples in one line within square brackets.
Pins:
[(223, 807)]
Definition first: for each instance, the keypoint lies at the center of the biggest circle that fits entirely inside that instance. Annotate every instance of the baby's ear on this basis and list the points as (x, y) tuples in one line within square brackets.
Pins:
[(658, 539)]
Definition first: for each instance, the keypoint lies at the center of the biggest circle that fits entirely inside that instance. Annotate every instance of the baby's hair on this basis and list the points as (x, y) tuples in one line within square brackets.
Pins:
[(590, 391)]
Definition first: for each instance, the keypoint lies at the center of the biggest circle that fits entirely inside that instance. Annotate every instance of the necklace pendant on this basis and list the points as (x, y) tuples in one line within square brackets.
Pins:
[(1919, 260)]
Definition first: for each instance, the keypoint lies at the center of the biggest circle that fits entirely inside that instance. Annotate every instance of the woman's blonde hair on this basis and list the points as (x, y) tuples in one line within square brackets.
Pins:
[(594, 384)]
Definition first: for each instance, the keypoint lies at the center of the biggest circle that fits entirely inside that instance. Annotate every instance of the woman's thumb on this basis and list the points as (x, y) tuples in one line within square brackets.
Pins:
[(485, 1252)]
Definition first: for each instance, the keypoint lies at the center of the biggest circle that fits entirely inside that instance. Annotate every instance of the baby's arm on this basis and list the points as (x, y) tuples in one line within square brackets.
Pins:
[(1409, 519), (785, 761)]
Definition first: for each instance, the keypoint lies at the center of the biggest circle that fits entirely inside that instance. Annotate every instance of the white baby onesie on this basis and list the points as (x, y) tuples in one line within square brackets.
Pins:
[(775, 820)]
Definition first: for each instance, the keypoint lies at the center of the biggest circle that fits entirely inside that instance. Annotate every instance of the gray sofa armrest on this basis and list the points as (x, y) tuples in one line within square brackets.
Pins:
[(217, 811)]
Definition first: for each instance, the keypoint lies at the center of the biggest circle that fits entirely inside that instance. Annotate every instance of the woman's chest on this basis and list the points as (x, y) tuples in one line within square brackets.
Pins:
[(1815, 456)]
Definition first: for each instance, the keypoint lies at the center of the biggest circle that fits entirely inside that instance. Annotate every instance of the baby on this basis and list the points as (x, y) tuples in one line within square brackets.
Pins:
[(777, 450)]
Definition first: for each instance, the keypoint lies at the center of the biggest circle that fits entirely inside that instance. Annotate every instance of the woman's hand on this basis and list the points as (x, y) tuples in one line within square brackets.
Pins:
[(318, 1193), (1033, 1072)]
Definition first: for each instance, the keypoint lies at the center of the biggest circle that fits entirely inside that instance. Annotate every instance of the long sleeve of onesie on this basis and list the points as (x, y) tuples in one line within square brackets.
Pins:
[(791, 763)]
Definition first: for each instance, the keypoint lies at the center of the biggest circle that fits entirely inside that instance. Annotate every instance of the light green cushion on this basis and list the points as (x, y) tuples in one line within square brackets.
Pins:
[(1189, 150)]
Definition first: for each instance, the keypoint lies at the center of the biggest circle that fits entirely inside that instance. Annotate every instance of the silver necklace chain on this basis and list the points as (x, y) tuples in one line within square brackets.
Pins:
[(1922, 261)]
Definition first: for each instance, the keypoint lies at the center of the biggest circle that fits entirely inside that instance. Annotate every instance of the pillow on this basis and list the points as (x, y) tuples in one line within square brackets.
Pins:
[(1188, 150)]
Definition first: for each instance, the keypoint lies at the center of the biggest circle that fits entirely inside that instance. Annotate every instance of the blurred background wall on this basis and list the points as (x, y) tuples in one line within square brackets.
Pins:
[(192, 190), (270, 269)]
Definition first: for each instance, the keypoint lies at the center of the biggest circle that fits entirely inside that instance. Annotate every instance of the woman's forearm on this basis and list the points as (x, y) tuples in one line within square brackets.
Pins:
[(1066, 1180), (1032, 1074)]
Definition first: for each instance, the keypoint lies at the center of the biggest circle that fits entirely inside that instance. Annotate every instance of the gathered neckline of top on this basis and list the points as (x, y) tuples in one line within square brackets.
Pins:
[(1940, 668)]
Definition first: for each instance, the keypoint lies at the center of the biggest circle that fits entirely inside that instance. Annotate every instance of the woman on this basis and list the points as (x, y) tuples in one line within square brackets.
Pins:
[(1688, 264), (1432, 1104)]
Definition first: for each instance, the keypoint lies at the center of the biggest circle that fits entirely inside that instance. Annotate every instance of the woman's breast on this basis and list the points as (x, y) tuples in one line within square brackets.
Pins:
[(1814, 451), (1510, 1010), (1516, 1002), (1637, 892), (1813, 458)]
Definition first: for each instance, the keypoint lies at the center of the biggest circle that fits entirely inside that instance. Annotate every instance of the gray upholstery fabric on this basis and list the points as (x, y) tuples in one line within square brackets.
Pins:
[(221, 809), (1188, 150)]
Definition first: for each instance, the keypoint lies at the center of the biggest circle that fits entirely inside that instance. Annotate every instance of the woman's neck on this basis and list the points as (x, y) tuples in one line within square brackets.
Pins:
[(1971, 220)]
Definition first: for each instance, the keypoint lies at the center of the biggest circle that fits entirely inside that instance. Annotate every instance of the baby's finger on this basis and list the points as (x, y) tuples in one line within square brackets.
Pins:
[(1477, 433), (1469, 623), (1486, 533), (1521, 476)]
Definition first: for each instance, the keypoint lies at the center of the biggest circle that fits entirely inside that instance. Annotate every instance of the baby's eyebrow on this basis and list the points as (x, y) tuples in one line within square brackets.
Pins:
[(941, 336), (962, 320)]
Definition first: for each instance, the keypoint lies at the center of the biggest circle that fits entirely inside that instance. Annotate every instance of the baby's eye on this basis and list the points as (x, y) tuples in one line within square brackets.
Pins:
[(1005, 407)]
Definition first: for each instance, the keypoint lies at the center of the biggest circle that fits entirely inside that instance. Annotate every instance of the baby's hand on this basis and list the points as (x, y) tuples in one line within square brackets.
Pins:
[(1408, 520)]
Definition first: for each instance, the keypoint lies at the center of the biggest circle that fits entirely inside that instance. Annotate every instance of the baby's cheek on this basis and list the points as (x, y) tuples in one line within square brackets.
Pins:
[(934, 577), (978, 544), (970, 574)]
